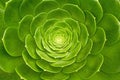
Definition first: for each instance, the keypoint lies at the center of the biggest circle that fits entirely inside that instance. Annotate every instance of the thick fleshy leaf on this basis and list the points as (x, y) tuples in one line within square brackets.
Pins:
[(73, 52), (57, 55), (47, 67), (84, 35), (105, 76), (92, 66), (8, 63), (6, 76), (110, 9), (38, 39), (26, 73), (74, 67), (62, 2), (73, 24), (30, 61), (63, 63), (111, 58), (75, 12), (2, 27), (75, 47), (37, 22), (75, 76), (11, 15), (54, 76), (48, 24), (30, 46), (28, 6), (115, 76), (84, 52), (99, 40), (24, 27), (11, 42), (111, 25), (46, 6), (58, 14), (2, 3), (93, 6), (90, 23), (40, 34), (101, 76), (43, 55)]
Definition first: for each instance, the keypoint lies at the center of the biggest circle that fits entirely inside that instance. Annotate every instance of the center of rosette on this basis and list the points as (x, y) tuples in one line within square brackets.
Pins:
[(59, 39)]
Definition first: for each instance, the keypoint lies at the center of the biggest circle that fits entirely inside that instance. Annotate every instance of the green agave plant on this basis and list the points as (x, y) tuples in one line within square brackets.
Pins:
[(59, 39)]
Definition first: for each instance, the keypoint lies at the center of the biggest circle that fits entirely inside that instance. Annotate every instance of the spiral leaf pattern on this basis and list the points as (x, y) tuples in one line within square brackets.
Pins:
[(59, 39)]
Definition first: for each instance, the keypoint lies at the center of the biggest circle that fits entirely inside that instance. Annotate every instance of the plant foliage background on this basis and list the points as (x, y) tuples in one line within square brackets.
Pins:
[(59, 39)]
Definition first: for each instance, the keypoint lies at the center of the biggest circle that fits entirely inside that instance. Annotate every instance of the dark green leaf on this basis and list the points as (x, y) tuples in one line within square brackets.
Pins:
[(24, 27), (54, 76), (11, 42), (26, 73)]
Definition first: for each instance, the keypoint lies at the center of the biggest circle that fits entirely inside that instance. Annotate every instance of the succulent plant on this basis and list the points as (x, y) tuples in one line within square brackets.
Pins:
[(59, 39)]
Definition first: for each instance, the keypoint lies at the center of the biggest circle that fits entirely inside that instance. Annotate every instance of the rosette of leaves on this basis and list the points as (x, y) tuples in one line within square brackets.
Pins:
[(60, 39)]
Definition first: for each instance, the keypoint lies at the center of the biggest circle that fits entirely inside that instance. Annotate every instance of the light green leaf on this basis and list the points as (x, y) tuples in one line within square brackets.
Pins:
[(38, 38), (11, 42), (30, 46), (73, 52), (63, 63), (43, 55), (48, 24), (30, 61), (57, 55), (74, 67), (26, 73), (60, 28), (73, 24), (85, 51), (47, 67)]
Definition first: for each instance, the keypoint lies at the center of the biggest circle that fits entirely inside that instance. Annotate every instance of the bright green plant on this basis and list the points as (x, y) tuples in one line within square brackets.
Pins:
[(60, 39)]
